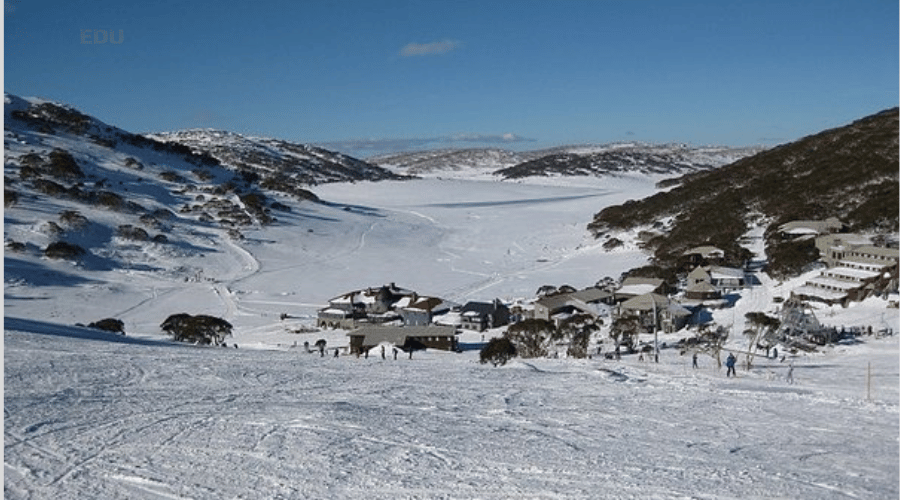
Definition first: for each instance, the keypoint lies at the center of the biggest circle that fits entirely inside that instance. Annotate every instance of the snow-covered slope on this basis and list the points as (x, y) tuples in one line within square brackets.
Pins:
[(89, 415), (290, 162)]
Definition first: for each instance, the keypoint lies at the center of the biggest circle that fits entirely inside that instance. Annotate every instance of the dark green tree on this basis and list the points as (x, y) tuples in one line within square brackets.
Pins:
[(199, 329), (498, 351)]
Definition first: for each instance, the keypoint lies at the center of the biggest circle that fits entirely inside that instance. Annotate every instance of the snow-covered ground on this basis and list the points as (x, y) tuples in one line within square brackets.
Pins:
[(96, 416), (90, 415)]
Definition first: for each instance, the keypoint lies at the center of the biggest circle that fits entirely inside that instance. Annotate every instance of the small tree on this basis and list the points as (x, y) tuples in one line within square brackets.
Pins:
[(760, 325), (625, 331), (578, 329), (530, 337), (199, 329), (715, 339), (498, 351)]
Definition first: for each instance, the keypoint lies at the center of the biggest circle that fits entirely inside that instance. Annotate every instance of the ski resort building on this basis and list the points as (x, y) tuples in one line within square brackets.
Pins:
[(371, 305), (635, 286), (703, 255), (403, 337), (480, 316), (655, 312), (854, 272), (799, 229), (422, 310), (592, 301)]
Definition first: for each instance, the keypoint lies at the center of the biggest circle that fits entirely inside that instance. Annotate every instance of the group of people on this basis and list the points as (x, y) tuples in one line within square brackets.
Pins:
[(731, 362)]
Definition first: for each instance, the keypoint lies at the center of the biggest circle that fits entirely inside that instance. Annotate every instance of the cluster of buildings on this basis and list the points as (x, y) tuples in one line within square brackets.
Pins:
[(403, 318)]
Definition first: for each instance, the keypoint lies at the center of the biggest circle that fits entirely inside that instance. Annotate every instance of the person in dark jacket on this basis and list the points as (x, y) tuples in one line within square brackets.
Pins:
[(730, 364)]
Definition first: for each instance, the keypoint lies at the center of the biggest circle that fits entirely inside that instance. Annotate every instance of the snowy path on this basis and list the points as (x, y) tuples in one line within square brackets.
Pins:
[(117, 419)]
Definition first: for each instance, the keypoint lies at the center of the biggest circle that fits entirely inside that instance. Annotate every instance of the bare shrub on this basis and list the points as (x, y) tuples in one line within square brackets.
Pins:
[(109, 325), (63, 250), (129, 232)]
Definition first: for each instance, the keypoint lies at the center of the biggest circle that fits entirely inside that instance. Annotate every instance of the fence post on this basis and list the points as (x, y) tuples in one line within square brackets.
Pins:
[(869, 382)]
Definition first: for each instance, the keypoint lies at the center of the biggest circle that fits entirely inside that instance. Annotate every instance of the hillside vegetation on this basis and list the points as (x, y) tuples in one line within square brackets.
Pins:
[(623, 158), (849, 172)]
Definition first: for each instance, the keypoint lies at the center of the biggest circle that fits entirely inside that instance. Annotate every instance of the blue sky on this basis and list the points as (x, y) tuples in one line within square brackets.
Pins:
[(366, 76)]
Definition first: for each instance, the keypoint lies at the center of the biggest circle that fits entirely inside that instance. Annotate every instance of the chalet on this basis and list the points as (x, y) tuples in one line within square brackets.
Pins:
[(371, 305), (422, 310), (702, 291), (592, 301), (703, 255), (403, 337), (804, 229), (655, 311), (727, 279), (480, 316), (634, 287)]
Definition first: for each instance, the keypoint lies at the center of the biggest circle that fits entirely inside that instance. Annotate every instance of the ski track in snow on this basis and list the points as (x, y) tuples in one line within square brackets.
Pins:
[(115, 420)]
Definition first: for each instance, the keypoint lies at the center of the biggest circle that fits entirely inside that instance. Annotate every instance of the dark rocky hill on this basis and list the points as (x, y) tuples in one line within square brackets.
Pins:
[(850, 172), (613, 159)]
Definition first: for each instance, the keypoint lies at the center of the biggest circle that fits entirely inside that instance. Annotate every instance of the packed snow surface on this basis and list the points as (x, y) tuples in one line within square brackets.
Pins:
[(96, 415)]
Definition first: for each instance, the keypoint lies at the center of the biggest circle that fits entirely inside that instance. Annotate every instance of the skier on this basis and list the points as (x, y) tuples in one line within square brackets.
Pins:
[(695, 360), (790, 374), (729, 362)]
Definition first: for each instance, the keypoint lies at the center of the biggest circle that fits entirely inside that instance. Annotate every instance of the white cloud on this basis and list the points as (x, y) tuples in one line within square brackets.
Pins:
[(429, 49)]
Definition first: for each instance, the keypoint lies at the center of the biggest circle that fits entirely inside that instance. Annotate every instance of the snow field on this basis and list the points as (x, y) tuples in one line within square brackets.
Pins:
[(90, 415), (107, 417)]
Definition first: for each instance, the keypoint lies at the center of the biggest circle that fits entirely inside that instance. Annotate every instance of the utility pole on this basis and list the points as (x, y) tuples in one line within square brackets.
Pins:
[(655, 330)]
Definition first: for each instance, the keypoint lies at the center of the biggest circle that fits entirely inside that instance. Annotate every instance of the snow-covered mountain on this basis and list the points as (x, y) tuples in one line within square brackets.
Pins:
[(461, 163), (276, 159), (578, 160), (100, 223), (613, 159)]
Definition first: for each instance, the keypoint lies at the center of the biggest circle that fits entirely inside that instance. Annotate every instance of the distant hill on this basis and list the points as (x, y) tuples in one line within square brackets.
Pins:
[(850, 172), (277, 160), (626, 158), (449, 161), (581, 160)]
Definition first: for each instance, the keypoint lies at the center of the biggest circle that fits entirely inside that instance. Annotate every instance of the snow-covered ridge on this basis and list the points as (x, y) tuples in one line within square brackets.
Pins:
[(301, 163), (615, 159), (578, 160)]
